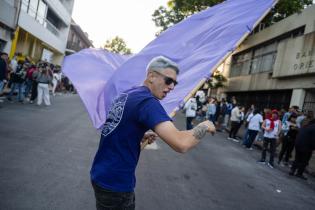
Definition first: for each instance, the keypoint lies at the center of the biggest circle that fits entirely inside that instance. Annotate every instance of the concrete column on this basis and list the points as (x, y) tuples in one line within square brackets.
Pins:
[(297, 98)]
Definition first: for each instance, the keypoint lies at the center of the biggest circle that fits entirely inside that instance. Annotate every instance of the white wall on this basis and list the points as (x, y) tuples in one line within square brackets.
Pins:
[(30, 25), (298, 97), (60, 10)]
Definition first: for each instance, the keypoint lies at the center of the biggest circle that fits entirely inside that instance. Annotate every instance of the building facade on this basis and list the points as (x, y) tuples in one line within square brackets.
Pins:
[(275, 67), (42, 29), (77, 39), (9, 10)]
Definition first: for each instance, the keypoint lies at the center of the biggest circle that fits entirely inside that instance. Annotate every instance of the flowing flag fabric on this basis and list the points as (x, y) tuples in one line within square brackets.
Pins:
[(197, 44), (89, 70)]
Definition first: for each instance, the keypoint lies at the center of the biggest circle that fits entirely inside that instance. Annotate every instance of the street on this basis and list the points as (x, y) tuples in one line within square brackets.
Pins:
[(46, 154)]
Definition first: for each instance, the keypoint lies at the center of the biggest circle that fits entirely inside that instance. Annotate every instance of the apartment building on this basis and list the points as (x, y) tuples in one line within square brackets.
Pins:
[(42, 29), (9, 10), (276, 66), (77, 39)]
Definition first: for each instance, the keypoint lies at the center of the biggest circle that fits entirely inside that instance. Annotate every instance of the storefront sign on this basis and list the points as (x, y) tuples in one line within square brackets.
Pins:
[(295, 56), (308, 64)]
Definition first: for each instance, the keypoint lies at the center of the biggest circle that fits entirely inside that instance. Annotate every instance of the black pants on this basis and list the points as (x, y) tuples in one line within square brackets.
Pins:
[(238, 127), (109, 200), (286, 149), (251, 137), (272, 149), (301, 161), (189, 123), (34, 91), (234, 129)]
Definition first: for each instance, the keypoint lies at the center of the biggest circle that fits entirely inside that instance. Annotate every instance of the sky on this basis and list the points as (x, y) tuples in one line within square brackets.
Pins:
[(130, 20)]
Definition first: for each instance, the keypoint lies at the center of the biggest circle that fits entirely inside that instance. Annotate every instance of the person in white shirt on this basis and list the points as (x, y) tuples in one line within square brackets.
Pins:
[(190, 112), (211, 109), (14, 64), (242, 110), (56, 79), (272, 128), (202, 96), (254, 121), (235, 120)]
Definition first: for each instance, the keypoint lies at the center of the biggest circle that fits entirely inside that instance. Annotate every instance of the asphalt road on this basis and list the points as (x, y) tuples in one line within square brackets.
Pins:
[(46, 153)]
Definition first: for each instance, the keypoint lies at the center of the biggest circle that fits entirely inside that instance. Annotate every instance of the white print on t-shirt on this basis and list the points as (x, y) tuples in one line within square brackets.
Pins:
[(115, 114), (273, 133)]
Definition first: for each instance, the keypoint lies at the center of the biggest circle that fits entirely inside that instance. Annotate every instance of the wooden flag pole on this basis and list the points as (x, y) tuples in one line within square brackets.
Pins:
[(199, 85)]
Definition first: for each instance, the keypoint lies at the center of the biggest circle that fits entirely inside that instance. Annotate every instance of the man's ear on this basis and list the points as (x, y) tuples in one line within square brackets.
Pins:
[(150, 76)]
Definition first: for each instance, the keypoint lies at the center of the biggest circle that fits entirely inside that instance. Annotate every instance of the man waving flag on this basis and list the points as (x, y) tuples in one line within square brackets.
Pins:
[(198, 44), (139, 95)]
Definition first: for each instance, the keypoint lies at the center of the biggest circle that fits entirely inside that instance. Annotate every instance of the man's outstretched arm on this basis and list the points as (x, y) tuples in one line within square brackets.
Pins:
[(182, 141)]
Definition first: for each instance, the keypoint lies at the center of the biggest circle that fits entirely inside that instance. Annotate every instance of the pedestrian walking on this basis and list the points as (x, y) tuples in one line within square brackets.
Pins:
[(199, 114), (304, 146), (211, 110), (272, 129), (190, 112), (254, 121), (55, 81), (222, 113), (309, 117), (288, 140), (235, 120), (29, 81), (17, 81), (34, 75), (131, 115), (3, 71), (44, 79), (242, 110), (250, 110)]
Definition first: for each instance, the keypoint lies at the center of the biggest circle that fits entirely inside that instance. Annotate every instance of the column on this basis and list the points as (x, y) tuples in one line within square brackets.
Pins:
[(297, 98)]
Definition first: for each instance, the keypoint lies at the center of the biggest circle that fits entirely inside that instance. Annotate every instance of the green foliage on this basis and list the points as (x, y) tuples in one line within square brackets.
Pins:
[(117, 45), (285, 8), (217, 80), (180, 9)]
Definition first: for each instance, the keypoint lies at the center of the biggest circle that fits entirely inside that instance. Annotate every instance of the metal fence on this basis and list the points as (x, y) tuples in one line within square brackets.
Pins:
[(309, 102)]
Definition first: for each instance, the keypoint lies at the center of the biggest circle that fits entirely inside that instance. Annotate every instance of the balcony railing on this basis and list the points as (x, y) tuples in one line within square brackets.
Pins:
[(51, 27), (74, 46), (40, 19)]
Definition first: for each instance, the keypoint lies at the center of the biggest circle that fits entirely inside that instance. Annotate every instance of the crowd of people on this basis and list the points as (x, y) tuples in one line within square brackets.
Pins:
[(293, 129), (31, 82)]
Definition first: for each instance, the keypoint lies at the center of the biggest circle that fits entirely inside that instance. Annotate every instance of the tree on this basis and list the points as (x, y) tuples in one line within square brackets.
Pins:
[(285, 8), (180, 9), (117, 45)]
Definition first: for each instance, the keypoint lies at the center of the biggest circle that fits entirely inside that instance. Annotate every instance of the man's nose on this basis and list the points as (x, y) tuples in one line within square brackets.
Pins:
[(171, 86)]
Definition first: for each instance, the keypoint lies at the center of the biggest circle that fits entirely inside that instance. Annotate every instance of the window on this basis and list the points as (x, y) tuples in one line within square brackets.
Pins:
[(33, 8), (241, 64), (256, 60), (41, 12), (264, 58), (2, 45)]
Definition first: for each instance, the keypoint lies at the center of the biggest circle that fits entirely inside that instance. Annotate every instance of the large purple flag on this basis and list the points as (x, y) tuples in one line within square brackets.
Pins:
[(89, 70), (198, 44)]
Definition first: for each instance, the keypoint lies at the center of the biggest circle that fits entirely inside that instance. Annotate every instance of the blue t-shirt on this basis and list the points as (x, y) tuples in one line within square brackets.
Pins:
[(132, 114)]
